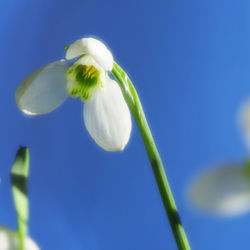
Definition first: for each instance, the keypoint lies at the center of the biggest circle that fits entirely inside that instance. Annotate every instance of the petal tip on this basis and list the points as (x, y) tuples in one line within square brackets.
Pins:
[(107, 118), (43, 90)]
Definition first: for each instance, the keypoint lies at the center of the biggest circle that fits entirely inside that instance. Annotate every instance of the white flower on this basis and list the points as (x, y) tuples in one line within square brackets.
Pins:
[(106, 114), (244, 121), (9, 241), (224, 191)]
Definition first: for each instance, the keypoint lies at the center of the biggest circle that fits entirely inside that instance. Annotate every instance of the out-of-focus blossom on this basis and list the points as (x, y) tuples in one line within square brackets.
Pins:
[(9, 241), (244, 121), (224, 191)]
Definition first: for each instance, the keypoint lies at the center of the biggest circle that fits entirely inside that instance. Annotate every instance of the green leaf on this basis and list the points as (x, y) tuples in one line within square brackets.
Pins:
[(19, 177)]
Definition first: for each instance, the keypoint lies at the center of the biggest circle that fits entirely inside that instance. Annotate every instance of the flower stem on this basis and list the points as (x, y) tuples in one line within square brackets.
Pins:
[(135, 106), (22, 231)]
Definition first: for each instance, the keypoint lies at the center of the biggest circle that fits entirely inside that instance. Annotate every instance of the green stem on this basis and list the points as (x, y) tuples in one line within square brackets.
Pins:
[(135, 106), (22, 231)]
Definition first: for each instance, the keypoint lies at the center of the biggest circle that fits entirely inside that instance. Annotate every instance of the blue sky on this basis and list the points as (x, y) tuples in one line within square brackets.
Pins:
[(189, 61)]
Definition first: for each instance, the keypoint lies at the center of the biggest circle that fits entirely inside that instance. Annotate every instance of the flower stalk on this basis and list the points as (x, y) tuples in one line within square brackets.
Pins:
[(135, 106)]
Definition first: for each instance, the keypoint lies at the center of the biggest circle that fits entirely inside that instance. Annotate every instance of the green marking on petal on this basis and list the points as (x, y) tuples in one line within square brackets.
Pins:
[(82, 81), (67, 47)]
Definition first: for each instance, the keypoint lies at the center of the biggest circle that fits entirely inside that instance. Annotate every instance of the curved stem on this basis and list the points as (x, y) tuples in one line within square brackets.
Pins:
[(135, 106)]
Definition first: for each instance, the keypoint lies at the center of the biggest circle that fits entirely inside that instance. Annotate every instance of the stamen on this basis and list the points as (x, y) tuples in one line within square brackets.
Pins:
[(82, 80)]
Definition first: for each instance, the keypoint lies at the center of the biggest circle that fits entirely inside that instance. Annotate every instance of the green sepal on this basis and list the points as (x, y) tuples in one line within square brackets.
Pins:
[(67, 47)]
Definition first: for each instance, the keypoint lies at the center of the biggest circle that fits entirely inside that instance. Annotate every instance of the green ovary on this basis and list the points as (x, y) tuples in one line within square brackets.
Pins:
[(82, 81)]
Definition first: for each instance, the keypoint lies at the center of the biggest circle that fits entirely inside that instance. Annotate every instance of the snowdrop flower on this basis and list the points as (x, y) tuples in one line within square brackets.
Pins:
[(224, 191), (9, 241), (106, 114)]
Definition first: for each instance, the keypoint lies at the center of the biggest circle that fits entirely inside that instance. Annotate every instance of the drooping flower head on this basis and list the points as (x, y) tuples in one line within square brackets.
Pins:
[(88, 72), (106, 114)]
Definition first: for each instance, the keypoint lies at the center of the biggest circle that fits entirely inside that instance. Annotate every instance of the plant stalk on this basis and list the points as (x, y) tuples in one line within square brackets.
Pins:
[(135, 106)]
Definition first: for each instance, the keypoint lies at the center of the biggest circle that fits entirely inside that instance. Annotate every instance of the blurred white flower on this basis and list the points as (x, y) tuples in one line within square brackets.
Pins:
[(106, 114), (9, 241), (224, 191), (244, 121)]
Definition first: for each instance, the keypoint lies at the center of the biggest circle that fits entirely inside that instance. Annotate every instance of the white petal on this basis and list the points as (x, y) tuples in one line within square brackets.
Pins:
[(94, 48), (44, 89), (107, 117), (224, 191), (88, 60), (9, 241)]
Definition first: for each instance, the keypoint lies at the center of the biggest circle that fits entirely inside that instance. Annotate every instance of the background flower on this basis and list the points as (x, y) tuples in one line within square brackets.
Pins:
[(9, 241), (224, 191)]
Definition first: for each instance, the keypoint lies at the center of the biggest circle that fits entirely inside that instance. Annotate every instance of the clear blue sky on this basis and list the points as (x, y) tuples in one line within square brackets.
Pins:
[(190, 62)]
